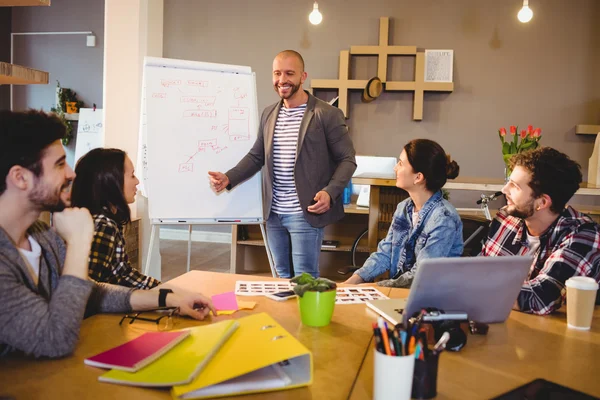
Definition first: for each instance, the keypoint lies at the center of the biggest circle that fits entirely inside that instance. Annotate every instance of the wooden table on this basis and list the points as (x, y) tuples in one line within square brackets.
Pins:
[(524, 348), (338, 350)]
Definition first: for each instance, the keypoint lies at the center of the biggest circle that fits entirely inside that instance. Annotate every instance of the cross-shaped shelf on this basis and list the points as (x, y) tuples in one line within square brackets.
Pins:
[(383, 50)]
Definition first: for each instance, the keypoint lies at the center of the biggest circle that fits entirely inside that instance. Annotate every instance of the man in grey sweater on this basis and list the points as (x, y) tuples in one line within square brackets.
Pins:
[(44, 287)]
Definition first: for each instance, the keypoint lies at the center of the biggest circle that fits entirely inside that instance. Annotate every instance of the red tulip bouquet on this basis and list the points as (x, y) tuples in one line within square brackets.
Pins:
[(513, 143)]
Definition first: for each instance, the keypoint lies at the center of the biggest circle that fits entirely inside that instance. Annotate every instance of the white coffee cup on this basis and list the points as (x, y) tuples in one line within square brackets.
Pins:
[(581, 299)]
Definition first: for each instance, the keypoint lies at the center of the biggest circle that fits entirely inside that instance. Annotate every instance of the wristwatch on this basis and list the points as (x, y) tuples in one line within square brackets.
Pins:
[(162, 297)]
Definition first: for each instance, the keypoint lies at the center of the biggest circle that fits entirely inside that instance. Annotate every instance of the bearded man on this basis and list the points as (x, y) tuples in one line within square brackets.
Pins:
[(536, 221)]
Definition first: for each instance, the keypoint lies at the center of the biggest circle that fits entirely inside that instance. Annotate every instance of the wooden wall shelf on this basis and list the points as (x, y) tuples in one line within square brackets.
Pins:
[(11, 74), (18, 3), (587, 129), (343, 84), (72, 117)]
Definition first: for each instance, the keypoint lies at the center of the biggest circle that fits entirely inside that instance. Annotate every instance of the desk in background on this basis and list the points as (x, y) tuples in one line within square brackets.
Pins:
[(384, 197)]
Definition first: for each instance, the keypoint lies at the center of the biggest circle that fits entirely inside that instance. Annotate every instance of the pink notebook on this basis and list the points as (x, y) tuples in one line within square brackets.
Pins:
[(139, 352)]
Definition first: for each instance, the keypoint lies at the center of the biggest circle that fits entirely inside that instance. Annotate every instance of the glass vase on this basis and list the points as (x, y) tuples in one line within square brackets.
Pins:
[(507, 172)]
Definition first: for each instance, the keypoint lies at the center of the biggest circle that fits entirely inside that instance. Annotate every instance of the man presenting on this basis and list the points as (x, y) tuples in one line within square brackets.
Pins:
[(307, 159), (562, 241)]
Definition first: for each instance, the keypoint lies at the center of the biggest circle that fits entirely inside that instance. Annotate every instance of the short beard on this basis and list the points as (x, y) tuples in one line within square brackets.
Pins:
[(46, 201), (295, 88), (523, 213)]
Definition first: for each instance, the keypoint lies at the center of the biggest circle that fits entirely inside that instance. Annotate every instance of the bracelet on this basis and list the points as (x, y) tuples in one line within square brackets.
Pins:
[(162, 297)]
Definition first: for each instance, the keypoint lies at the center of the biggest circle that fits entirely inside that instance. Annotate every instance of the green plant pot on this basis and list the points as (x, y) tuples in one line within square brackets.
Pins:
[(316, 308)]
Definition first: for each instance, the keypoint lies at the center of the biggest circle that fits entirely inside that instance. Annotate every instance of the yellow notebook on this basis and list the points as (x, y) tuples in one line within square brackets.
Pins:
[(261, 356), (182, 363)]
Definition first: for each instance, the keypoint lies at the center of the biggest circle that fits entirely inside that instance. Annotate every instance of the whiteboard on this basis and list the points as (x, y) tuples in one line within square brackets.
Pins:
[(90, 131), (197, 117)]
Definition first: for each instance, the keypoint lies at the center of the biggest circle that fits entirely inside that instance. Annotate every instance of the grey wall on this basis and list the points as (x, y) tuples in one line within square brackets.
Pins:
[(5, 24), (543, 73), (65, 57)]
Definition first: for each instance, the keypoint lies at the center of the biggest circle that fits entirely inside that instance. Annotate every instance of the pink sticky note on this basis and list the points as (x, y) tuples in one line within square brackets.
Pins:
[(225, 301)]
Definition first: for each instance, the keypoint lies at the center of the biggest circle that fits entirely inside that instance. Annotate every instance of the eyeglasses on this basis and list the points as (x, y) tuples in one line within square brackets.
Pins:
[(163, 323)]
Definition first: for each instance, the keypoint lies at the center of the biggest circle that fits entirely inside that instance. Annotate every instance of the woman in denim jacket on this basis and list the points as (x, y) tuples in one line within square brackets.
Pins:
[(424, 225)]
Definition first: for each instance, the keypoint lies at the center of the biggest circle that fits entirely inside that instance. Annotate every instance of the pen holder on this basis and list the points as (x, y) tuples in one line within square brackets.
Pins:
[(424, 385), (392, 376)]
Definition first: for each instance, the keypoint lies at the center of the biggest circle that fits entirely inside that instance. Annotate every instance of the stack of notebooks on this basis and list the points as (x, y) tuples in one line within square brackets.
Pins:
[(247, 355)]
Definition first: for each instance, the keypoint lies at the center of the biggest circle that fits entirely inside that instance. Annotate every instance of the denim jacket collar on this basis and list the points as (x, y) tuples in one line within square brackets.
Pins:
[(408, 258), (428, 206)]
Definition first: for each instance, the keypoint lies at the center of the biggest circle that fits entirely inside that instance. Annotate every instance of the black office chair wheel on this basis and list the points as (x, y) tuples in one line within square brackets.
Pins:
[(353, 268)]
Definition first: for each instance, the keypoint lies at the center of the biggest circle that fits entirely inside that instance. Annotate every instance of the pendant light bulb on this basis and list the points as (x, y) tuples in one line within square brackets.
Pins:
[(525, 14), (315, 16)]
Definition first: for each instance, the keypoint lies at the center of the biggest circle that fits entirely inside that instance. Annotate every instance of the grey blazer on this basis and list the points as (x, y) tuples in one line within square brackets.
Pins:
[(324, 160)]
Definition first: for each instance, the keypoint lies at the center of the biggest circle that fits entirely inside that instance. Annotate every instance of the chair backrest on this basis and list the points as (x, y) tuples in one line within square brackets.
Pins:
[(475, 230)]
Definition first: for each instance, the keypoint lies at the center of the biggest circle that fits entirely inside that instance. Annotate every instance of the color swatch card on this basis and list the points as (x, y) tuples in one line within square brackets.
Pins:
[(139, 352), (345, 295), (225, 302), (260, 288), (357, 294), (183, 363)]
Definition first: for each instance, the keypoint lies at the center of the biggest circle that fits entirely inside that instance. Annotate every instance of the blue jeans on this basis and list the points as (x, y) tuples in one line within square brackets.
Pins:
[(294, 244)]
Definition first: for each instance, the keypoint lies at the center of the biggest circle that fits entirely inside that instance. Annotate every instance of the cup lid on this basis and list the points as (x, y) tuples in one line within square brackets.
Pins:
[(582, 282)]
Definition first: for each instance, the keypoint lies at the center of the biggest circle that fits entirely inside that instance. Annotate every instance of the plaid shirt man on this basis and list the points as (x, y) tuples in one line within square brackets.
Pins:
[(108, 261), (570, 247)]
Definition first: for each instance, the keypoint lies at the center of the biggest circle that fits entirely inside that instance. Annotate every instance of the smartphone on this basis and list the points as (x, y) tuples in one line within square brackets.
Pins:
[(282, 296)]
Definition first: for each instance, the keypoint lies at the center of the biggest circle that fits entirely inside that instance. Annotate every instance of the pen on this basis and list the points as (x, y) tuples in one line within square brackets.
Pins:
[(411, 345), (378, 339), (386, 342), (229, 220), (403, 340), (418, 351), (392, 344), (397, 343)]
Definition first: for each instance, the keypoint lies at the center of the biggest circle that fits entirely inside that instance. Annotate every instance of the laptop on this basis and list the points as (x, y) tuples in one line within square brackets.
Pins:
[(484, 287)]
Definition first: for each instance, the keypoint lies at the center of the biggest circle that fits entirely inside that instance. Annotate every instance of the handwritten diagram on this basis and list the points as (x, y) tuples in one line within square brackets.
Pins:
[(203, 147), (215, 115)]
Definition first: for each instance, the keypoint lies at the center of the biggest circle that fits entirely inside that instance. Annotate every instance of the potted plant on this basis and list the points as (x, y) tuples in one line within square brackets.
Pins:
[(68, 125), (316, 299), (66, 102)]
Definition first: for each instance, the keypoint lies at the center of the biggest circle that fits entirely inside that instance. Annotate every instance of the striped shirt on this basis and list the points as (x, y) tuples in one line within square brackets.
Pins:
[(570, 247), (285, 147)]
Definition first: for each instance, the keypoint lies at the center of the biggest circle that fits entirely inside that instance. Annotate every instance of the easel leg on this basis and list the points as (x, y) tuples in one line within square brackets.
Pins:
[(189, 257), (150, 247), (268, 250)]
